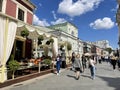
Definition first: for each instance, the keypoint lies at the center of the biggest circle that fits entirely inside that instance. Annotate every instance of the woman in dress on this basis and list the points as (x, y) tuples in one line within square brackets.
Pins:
[(78, 66)]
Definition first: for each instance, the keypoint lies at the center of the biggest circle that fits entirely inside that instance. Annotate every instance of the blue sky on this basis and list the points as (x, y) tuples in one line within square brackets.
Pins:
[(95, 19)]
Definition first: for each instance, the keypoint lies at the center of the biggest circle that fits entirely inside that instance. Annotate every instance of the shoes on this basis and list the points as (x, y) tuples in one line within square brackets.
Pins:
[(77, 78), (57, 73), (92, 78)]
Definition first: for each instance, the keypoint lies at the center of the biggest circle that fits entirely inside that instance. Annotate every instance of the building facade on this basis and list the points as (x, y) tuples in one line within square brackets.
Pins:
[(11, 13), (102, 44), (67, 32), (19, 9)]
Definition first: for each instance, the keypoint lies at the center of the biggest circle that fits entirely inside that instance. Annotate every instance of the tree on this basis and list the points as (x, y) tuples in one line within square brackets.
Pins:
[(109, 50)]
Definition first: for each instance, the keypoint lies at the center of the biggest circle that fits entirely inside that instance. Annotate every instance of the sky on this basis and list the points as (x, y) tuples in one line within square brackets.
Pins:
[(95, 19)]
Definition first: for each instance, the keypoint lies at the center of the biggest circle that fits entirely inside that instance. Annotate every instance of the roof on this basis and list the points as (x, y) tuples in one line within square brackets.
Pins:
[(65, 23)]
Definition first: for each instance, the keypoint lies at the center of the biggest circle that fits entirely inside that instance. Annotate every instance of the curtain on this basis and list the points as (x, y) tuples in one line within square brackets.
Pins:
[(2, 31), (7, 36), (12, 26)]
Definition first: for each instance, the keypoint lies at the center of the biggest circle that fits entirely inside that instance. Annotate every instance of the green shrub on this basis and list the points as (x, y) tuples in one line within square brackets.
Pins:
[(47, 61), (13, 65)]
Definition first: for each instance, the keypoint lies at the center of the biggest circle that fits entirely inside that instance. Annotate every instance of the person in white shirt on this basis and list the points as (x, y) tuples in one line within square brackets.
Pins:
[(92, 66)]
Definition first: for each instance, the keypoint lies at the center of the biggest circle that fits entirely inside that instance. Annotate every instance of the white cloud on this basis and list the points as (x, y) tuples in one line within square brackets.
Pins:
[(54, 15), (59, 20), (77, 8), (39, 22), (105, 23)]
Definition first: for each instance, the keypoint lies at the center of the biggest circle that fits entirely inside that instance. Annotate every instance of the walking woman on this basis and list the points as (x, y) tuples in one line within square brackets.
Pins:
[(84, 62), (78, 66), (114, 61), (58, 61), (92, 66)]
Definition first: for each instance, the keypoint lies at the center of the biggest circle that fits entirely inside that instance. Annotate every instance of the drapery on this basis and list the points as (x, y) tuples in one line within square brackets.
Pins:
[(2, 31), (7, 35), (12, 26)]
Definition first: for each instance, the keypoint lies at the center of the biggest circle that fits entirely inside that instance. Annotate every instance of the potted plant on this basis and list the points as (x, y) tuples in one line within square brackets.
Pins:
[(47, 62), (25, 32), (40, 39), (51, 40), (13, 65), (61, 47), (48, 42)]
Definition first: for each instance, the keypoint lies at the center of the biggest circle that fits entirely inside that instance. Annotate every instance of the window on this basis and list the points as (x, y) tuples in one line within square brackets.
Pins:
[(1, 1), (72, 33), (20, 14)]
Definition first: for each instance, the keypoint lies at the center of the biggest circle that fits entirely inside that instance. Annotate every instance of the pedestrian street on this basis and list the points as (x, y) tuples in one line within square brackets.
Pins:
[(106, 79)]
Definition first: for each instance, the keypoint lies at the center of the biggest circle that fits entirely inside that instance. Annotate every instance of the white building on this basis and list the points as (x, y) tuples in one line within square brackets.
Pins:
[(67, 32), (102, 43)]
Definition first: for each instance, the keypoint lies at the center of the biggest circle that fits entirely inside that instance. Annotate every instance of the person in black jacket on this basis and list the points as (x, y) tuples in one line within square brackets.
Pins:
[(84, 60)]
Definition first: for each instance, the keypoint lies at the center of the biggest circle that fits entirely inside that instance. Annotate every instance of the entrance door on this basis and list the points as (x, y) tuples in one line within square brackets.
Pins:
[(19, 50), (28, 48)]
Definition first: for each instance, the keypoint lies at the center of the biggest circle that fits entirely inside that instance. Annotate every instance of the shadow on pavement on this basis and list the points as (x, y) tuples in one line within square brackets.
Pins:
[(71, 76), (112, 82), (86, 76)]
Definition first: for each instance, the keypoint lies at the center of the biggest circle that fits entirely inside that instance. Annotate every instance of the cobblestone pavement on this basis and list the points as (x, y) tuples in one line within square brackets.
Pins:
[(106, 79)]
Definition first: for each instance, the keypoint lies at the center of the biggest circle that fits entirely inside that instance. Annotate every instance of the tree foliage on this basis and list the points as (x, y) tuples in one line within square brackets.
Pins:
[(109, 50)]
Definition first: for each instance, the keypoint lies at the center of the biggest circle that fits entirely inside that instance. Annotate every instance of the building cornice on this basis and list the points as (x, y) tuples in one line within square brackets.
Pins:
[(26, 4)]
